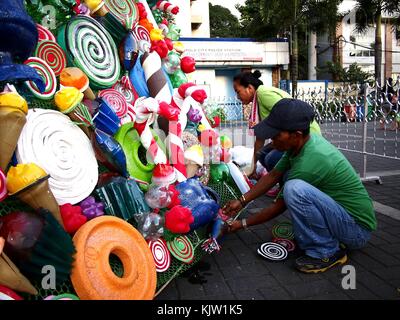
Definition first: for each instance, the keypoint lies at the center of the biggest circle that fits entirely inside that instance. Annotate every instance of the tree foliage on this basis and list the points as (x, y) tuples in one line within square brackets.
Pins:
[(223, 24), (351, 74), (293, 19), (369, 14)]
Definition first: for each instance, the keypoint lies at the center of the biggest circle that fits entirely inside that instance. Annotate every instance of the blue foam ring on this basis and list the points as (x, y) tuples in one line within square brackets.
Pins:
[(14, 73), (105, 118), (138, 79), (112, 151), (18, 32), (194, 196)]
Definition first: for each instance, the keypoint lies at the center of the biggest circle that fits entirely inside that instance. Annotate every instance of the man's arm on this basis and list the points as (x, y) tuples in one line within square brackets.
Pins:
[(264, 215), (263, 185), (258, 145)]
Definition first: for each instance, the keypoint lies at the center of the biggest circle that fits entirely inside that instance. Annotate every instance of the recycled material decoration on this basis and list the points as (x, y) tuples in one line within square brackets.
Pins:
[(130, 115), (272, 251), (125, 87), (45, 34), (53, 54), (3, 188), (125, 11), (48, 76), (288, 244), (90, 47), (182, 249), (141, 33), (116, 100), (283, 230), (142, 36), (162, 257), (92, 276), (52, 141)]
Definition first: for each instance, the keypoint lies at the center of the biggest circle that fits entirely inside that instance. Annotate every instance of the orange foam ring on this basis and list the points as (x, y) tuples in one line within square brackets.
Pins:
[(92, 276)]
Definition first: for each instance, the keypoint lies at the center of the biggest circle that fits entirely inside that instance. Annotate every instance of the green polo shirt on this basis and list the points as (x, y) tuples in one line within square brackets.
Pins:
[(266, 99), (322, 165)]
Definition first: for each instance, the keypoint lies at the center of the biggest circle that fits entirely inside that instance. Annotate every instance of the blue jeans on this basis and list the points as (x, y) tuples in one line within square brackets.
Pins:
[(319, 222), (269, 157)]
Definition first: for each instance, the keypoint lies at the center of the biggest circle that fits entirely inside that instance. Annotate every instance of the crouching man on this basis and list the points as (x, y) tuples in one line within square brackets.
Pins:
[(324, 195)]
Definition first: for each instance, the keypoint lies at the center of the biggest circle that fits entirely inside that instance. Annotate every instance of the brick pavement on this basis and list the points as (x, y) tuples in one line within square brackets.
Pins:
[(237, 272)]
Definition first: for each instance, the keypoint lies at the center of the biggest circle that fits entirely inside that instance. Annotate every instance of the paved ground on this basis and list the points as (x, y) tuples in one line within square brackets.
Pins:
[(237, 272)]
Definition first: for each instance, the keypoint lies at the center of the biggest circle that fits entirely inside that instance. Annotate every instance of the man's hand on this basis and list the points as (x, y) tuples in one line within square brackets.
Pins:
[(235, 226), (253, 174), (232, 208)]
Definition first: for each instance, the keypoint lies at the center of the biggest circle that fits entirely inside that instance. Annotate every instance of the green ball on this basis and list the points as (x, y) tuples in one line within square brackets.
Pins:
[(219, 173), (174, 32), (178, 78)]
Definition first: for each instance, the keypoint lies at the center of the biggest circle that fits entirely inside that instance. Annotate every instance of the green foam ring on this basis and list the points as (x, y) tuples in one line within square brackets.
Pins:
[(129, 140)]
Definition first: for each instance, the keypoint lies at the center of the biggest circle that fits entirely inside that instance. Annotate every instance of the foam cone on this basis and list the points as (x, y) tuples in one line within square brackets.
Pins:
[(89, 94), (11, 123), (11, 277), (38, 195)]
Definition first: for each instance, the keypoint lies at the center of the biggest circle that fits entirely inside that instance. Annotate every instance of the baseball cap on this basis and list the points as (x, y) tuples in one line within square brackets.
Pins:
[(286, 115)]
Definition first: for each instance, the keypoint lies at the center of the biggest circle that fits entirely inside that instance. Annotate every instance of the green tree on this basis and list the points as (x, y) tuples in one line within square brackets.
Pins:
[(290, 17), (223, 23), (352, 74), (368, 13)]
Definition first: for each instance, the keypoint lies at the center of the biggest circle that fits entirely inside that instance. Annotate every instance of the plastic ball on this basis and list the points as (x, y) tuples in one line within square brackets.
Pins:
[(174, 32), (225, 142), (172, 62), (188, 64), (158, 197), (178, 78)]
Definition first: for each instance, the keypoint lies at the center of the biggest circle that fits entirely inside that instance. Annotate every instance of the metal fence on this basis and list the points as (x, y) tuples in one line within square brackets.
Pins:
[(359, 118), (362, 119)]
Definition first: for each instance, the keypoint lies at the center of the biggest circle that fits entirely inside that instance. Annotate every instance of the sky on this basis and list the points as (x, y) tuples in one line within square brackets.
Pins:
[(230, 4)]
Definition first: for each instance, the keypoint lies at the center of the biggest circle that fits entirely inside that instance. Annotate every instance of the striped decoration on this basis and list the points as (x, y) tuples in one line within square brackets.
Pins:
[(167, 7), (155, 77), (146, 110), (176, 151)]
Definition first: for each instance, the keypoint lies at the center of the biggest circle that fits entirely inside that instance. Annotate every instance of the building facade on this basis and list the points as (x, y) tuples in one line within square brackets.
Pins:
[(219, 60), (359, 48)]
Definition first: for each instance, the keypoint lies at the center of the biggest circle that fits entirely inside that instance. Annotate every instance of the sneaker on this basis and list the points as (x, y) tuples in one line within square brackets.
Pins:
[(274, 191), (308, 264)]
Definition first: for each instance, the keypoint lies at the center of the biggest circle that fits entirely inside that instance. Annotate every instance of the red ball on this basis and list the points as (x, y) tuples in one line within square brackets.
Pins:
[(188, 64)]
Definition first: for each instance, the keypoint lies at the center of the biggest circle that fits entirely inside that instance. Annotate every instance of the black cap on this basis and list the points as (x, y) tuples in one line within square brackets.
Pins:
[(286, 115)]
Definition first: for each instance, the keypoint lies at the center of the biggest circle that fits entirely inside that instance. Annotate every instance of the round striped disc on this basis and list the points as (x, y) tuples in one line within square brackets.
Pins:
[(272, 251), (182, 249), (161, 255), (288, 244), (283, 230)]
